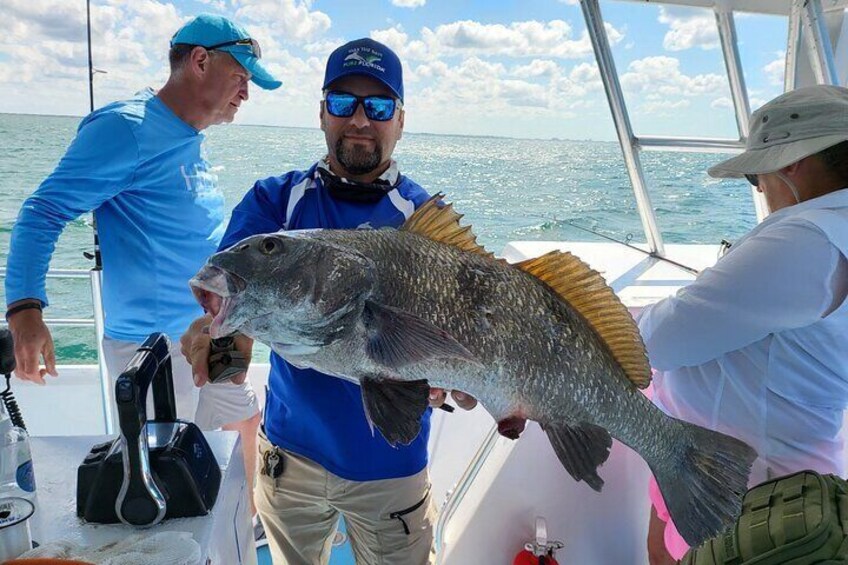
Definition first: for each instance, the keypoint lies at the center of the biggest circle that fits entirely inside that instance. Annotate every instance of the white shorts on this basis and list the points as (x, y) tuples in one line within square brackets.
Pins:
[(210, 407)]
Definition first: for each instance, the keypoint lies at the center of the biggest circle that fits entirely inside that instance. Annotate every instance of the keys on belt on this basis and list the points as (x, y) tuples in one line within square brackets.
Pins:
[(225, 361), (272, 463)]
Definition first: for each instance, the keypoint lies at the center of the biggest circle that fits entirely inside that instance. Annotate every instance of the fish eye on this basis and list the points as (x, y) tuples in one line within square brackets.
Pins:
[(269, 245)]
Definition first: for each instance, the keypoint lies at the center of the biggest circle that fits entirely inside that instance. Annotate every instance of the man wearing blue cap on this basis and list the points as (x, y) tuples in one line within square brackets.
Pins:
[(319, 457), (138, 164)]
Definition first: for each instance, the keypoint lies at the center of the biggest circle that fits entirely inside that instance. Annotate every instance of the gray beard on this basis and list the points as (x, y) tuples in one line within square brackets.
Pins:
[(357, 161)]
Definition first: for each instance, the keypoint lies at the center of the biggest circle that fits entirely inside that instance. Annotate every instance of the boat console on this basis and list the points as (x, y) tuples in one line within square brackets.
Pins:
[(163, 468)]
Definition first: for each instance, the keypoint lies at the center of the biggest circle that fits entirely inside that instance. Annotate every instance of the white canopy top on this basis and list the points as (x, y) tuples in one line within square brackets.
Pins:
[(778, 7)]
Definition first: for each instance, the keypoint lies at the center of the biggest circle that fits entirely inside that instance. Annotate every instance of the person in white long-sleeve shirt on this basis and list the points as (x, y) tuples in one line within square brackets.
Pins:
[(757, 346)]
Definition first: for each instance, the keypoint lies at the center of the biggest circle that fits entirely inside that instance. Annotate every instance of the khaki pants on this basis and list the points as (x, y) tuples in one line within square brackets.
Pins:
[(300, 511)]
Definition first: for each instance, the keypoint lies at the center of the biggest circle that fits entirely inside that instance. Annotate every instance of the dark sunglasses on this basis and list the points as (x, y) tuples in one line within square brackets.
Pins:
[(343, 105), (753, 179), (254, 46)]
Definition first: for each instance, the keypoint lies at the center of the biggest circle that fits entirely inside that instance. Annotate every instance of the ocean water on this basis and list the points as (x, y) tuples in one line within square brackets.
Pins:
[(508, 189)]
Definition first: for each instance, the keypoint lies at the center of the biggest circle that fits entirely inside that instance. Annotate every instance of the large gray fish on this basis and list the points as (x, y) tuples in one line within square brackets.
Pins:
[(547, 340)]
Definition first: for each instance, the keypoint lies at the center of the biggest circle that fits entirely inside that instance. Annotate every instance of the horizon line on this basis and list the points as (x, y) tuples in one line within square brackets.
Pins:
[(477, 135)]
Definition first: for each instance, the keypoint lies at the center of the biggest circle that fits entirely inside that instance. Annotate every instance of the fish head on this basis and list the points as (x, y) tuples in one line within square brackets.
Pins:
[(288, 288)]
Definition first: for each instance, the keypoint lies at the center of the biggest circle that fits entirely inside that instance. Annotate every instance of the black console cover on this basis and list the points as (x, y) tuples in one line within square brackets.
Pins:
[(184, 469)]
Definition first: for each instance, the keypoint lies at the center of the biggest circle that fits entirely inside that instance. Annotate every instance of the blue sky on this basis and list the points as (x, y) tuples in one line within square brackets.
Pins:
[(508, 68)]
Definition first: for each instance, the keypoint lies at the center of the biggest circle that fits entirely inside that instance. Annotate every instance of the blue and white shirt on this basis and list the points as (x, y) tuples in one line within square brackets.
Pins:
[(158, 209), (756, 346), (316, 415)]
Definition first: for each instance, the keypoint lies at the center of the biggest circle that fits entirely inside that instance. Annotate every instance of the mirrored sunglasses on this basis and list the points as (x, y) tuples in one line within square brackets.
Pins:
[(252, 43), (343, 105)]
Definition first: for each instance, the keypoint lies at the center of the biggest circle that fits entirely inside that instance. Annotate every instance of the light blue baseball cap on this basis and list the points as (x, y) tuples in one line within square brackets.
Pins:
[(220, 34)]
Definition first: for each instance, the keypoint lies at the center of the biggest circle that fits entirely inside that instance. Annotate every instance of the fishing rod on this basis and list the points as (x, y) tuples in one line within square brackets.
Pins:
[(652, 254), (90, 63), (96, 273), (98, 262)]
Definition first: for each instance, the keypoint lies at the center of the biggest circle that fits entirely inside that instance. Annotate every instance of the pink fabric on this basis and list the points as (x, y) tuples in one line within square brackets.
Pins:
[(674, 543)]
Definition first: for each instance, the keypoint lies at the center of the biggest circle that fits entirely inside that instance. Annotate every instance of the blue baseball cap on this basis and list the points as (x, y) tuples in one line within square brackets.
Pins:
[(369, 58), (220, 34)]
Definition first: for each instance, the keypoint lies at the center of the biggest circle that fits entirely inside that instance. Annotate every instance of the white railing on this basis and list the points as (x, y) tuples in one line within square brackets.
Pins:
[(96, 322)]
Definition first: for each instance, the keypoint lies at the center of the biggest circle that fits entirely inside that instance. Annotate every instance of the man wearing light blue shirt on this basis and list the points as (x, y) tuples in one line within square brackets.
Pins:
[(138, 165), (755, 346)]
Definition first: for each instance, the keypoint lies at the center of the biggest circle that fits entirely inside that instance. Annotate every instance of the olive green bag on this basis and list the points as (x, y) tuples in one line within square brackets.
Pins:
[(798, 519)]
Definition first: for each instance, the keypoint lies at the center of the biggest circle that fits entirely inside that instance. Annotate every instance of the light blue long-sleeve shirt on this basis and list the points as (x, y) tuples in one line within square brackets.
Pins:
[(158, 209)]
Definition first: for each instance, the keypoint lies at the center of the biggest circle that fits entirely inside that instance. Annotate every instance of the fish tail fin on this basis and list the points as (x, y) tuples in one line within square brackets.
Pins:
[(703, 491)]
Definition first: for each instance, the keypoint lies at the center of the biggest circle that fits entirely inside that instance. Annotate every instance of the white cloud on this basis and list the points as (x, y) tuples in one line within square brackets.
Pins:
[(461, 76), (521, 93), (661, 76), (517, 39), (46, 48), (582, 80), (480, 91), (775, 70), (409, 3), (292, 19), (322, 48), (57, 19), (394, 37), (399, 41), (663, 107), (721, 103), (660, 87), (537, 68), (217, 5), (689, 28)]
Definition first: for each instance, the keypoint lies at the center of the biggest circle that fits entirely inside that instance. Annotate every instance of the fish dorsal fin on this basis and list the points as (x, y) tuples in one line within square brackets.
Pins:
[(440, 222), (587, 291)]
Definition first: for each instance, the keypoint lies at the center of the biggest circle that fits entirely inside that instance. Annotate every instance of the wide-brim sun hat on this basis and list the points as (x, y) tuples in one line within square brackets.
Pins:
[(793, 126), (210, 31)]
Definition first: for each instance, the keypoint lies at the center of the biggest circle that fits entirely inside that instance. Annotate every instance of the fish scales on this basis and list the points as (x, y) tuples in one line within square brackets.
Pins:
[(540, 348)]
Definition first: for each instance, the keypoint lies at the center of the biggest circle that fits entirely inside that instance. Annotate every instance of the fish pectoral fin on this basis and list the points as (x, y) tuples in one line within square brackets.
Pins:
[(581, 449), (398, 338), (395, 407)]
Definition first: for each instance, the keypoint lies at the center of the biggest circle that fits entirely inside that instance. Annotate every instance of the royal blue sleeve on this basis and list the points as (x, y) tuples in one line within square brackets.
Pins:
[(100, 162), (262, 210)]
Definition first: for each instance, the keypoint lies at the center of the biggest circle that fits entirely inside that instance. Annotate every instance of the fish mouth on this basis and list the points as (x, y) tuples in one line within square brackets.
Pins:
[(217, 291)]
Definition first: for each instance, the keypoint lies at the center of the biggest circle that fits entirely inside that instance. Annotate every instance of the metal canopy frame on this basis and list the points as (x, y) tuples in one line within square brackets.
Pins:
[(807, 22)]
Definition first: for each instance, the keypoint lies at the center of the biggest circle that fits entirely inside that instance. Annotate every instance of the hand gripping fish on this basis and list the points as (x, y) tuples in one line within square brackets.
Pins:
[(401, 310)]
